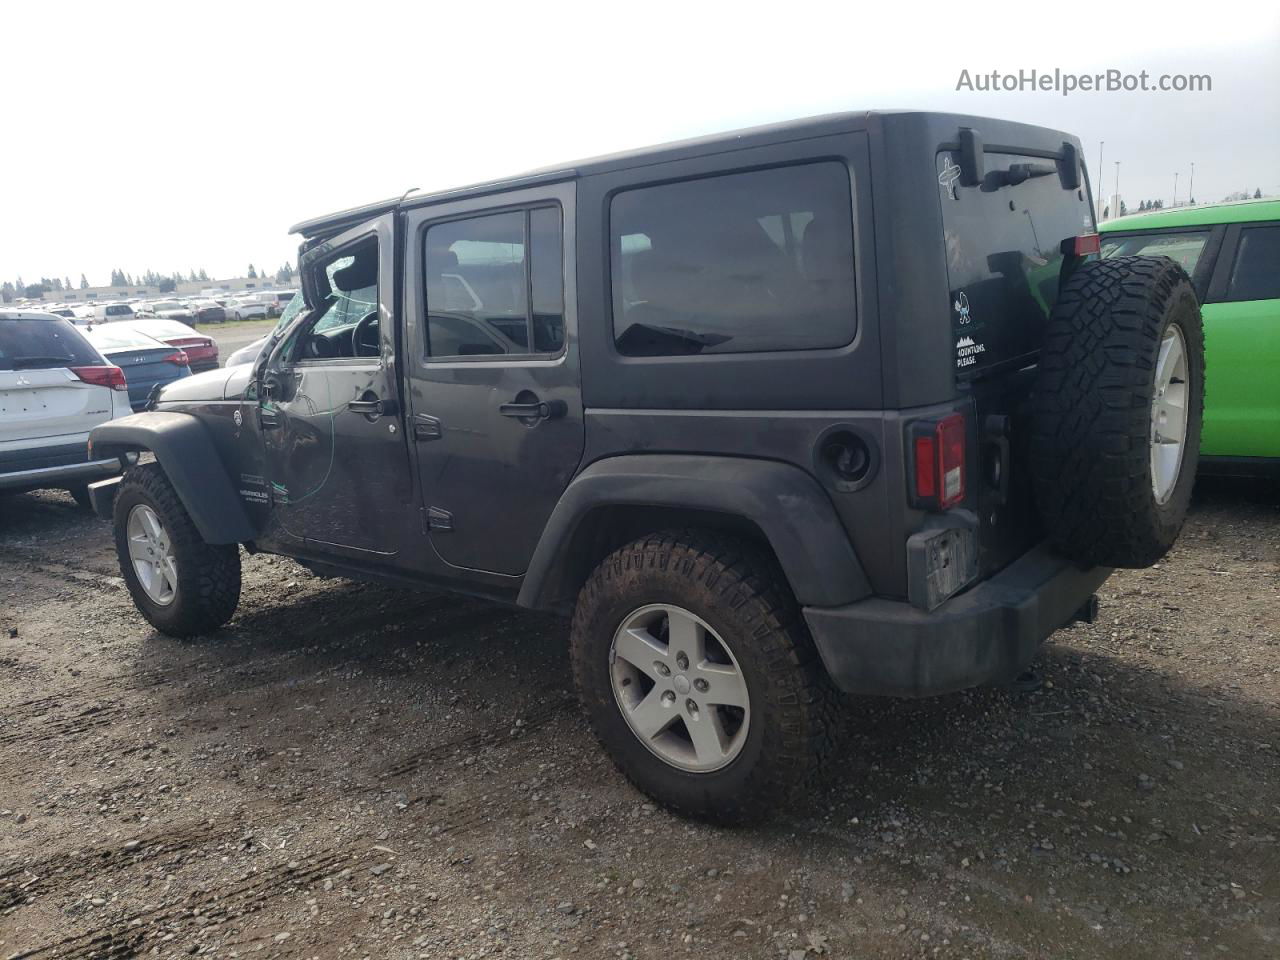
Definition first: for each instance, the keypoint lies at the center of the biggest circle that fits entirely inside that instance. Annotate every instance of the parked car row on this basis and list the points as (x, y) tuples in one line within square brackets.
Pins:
[(211, 307)]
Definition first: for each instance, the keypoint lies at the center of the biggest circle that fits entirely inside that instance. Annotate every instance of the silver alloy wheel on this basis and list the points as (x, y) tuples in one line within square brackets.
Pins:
[(680, 688), (152, 555), (1169, 413)]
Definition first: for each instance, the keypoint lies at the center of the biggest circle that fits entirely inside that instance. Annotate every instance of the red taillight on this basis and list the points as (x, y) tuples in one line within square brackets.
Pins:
[(938, 452), (178, 359), (112, 377), (927, 467)]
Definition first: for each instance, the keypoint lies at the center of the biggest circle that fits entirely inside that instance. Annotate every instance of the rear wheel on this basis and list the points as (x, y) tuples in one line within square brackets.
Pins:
[(180, 584), (699, 677)]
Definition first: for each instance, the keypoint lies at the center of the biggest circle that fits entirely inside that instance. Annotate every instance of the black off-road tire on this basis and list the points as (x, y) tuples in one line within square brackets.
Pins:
[(208, 587), (739, 591), (1090, 447)]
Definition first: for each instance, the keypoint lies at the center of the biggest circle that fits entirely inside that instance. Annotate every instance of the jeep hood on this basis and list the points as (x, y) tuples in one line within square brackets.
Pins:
[(224, 383)]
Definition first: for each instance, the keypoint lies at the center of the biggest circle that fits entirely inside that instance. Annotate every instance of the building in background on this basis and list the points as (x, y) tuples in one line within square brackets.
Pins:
[(192, 288)]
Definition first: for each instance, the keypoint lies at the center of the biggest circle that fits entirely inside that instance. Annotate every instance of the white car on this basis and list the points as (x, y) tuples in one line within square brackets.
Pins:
[(108, 312), (54, 388), (247, 308), (169, 310)]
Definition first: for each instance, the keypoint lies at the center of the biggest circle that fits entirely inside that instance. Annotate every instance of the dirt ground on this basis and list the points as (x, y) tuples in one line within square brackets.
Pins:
[(353, 771)]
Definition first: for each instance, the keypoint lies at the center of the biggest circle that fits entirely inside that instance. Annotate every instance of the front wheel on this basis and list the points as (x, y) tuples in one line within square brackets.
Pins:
[(699, 678), (180, 584)]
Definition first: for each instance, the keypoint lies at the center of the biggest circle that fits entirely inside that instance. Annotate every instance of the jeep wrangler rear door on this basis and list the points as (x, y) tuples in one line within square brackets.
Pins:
[(492, 364), (1004, 239)]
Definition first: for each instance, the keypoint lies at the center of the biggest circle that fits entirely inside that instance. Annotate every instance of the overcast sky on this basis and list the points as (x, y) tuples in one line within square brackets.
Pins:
[(177, 135)]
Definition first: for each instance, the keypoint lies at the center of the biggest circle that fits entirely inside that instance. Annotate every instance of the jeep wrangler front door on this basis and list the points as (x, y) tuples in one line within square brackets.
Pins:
[(336, 459), (495, 406)]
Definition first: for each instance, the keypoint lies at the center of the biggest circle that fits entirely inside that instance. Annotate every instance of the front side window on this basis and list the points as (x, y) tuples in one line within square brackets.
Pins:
[(738, 263), (1184, 247), (1256, 272), (495, 285), (344, 323)]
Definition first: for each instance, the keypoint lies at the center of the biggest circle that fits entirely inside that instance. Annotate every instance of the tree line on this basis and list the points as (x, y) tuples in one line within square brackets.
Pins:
[(165, 282)]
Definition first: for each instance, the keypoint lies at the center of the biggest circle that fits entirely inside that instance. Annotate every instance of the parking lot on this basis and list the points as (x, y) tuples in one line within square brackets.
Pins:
[(355, 771)]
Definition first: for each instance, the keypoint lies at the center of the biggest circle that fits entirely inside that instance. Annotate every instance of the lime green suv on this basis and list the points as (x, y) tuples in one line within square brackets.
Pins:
[(1232, 253)]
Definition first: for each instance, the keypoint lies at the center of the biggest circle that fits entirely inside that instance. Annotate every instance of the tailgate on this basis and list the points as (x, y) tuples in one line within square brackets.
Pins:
[(1004, 259), (35, 404)]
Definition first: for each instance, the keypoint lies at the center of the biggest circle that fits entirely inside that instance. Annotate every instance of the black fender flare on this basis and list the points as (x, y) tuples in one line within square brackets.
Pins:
[(787, 504), (186, 452)]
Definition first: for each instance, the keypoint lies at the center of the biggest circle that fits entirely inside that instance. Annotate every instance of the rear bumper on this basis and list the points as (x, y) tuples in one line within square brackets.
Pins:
[(987, 634)]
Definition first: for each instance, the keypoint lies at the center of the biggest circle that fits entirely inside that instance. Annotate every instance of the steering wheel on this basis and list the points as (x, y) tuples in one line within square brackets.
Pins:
[(365, 341)]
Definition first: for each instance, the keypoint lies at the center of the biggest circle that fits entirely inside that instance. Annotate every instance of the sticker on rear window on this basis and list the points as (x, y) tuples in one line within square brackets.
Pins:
[(949, 176), (967, 352)]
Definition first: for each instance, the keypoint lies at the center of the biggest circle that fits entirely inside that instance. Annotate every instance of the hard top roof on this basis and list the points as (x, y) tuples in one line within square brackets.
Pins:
[(825, 125), (1202, 214)]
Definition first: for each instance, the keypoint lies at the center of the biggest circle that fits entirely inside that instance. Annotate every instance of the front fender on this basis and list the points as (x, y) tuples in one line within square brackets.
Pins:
[(186, 452), (787, 505)]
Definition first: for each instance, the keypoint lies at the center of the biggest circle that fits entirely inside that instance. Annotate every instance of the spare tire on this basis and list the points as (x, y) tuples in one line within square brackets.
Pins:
[(1118, 406)]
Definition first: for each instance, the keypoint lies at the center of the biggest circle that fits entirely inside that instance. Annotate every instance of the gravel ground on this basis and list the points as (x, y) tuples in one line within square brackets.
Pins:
[(353, 771)]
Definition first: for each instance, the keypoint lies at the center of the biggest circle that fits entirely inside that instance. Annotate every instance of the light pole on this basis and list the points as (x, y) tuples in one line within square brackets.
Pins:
[(1101, 199), (1175, 188), (1191, 186), (1117, 212)]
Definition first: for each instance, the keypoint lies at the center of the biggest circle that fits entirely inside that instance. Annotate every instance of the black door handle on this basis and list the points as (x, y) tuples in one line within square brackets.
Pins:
[(538, 410), (525, 411), (371, 405)]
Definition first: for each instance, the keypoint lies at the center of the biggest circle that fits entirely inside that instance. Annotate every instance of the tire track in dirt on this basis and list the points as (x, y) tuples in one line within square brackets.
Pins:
[(131, 934), (39, 729), (40, 562), (479, 740), (24, 883)]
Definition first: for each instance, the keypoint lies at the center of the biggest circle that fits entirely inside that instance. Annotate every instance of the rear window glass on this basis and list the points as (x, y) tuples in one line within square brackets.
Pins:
[(1003, 246), (118, 310), (1184, 247), (738, 263), (44, 344)]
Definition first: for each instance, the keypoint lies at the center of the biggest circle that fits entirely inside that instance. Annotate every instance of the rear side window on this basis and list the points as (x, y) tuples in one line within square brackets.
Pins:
[(495, 285), (119, 310), (44, 344), (1183, 247), (1256, 273), (738, 263)]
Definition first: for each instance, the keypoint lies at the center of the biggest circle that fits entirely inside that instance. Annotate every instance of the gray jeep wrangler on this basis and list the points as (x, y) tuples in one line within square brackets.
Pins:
[(842, 405)]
